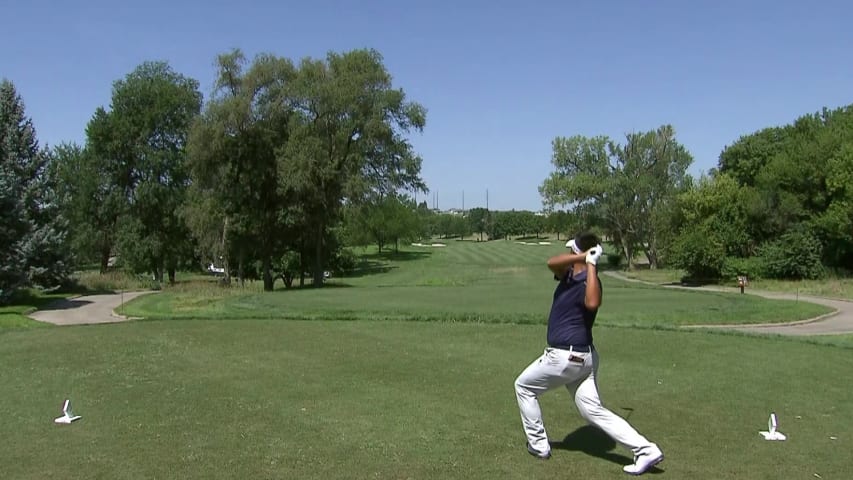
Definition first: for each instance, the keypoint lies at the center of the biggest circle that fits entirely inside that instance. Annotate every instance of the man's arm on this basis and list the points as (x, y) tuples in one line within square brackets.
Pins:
[(592, 296), (559, 264)]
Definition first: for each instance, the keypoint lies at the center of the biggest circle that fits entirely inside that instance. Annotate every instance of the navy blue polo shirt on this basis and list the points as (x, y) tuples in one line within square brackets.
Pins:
[(570, 323)]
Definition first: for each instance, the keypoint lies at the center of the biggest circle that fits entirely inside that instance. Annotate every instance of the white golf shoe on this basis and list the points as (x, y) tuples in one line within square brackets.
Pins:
[(650, 457)]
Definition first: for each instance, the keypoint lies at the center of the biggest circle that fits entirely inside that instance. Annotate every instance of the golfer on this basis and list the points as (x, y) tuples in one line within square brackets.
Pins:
[(571, 360)]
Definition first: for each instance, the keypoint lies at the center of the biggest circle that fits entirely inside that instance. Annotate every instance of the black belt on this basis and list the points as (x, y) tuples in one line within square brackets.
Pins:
[(574, 348)]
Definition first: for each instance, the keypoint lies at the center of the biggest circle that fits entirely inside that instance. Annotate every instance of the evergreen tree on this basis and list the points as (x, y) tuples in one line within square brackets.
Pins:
[(32, 237)]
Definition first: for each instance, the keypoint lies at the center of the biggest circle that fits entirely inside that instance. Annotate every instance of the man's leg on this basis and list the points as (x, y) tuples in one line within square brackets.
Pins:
[(590, 407), (542, 375)]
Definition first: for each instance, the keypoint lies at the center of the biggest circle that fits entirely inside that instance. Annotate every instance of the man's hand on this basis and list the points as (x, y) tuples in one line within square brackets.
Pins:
[(593, 254)]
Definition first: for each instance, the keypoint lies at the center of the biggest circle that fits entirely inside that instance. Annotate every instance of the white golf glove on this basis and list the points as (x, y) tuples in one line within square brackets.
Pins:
[(571, 244), (593, 254)]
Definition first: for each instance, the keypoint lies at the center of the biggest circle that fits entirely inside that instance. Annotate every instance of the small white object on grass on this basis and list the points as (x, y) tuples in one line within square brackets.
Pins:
[(67, 415), (772, 433)]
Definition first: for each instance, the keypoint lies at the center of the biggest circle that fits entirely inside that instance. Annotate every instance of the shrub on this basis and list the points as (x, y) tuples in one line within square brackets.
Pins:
[(752, 267), (343, 261), (795, 255), (614, 260), (699, 253)]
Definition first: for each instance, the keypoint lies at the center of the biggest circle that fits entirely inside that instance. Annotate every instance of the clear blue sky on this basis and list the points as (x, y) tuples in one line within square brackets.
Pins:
[(500, 79)]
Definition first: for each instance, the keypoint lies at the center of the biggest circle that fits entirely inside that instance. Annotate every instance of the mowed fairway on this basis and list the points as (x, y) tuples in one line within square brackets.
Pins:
[(235, 383), (495, 282)]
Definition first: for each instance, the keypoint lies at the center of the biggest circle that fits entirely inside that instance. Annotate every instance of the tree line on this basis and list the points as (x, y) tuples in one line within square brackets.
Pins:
[(287, 162), (779, 204), (258, 175)]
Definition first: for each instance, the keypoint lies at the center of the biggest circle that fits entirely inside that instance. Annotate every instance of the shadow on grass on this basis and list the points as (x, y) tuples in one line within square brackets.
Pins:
[(592, 441), (333, 284), (396, 256), (47, 301), (377, 263)]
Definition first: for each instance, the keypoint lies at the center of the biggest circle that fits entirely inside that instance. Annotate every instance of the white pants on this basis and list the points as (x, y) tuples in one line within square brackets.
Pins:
[(554, 369)]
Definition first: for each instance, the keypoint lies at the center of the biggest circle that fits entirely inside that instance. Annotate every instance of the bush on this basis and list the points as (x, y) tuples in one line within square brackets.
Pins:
[(795, 255), (343, 261), (699, 253), (614, 260), (112, 281), (752, 267)]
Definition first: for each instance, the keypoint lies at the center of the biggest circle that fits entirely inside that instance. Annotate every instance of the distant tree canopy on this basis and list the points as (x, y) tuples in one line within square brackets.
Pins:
[(385, 219)]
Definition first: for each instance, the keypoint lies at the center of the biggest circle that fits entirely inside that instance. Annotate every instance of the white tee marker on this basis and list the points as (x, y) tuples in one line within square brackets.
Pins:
[(67, 415), (772, 433)]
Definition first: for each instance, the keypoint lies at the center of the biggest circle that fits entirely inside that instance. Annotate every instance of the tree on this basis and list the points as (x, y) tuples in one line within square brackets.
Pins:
[(233, 149), (347, 140), (142, 142), (799, 178), (459, 226), (560, 221), (713, 220), (386, 219), (33, 249), (90, 199), (746, 157), (478, 221), (622, 186)]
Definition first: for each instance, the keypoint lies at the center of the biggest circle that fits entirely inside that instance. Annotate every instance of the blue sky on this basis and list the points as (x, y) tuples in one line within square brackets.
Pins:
[(500, 79)]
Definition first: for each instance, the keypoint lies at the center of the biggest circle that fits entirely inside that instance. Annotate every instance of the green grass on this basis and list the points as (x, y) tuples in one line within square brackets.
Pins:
[(92, 281), (494, 282), (840, 340), (14, 316), (833, 287), (387, 400)]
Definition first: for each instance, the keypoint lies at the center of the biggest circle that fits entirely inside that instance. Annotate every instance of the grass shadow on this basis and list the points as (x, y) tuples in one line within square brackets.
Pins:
[(532, 237), (594, 442), (366, 268), (378, 263), (392, 256), (31, 300), (333, 284)]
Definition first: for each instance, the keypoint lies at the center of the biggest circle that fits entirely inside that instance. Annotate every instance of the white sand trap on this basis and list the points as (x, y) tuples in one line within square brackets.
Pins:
[(438, 245), (419, 245), (544, 243)]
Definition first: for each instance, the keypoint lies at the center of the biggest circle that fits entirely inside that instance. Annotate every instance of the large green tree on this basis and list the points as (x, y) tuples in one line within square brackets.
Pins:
[(347, 140), (90, 199), (622, 187), (712, 221), (238, 206), (33, 234), (799, 177), (141, 141)]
